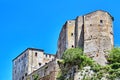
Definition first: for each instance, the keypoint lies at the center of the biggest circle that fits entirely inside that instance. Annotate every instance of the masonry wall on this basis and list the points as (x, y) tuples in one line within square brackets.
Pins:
[(91, 32), (70, 38), (29, 61), (66, 38), (79, 32), (97, 36), (20, 67), (46, 72), (62, 41)]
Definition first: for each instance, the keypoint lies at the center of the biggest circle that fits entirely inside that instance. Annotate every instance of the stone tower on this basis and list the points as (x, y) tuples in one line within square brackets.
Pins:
[(28, 61), (66, 38), (98, 35), (92, 32)]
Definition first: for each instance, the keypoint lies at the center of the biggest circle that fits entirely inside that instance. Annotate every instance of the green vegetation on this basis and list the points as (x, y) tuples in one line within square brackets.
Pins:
[(36, 77), (75, 57)]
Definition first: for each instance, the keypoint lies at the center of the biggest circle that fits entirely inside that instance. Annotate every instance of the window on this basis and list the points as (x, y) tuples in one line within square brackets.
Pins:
[(36, 54), (19, 60), (71, 34), (39, 64), (24, 55), (96, 55), (46, 55), (50, 56), (22, 77), (101, 21), (90, 24), (22, 58), (69, 21), (15, 71), (25, 74), (72, 46)]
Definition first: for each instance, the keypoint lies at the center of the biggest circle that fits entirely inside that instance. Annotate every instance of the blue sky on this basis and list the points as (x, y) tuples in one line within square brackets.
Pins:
[(37, 23)]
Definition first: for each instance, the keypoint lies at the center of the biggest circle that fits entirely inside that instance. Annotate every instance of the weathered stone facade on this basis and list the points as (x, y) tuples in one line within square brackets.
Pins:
[(66, 38), (28, 61), (46, 72), (92, 32)]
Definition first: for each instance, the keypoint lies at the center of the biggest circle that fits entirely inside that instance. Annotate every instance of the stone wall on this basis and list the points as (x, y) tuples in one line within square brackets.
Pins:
[(66, 38), (62, 41), (46, 72), (20, 66), (28, 61), (79, 32), (97, 36), (91, 32)]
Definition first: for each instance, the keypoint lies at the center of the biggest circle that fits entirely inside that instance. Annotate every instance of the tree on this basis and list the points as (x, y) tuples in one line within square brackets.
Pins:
[(114, 56), (75, 56)]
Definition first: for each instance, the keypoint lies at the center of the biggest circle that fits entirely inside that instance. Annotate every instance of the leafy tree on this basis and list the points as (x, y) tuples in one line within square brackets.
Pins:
[(111, 71), (75, 56), (72, 55), (114, 56)]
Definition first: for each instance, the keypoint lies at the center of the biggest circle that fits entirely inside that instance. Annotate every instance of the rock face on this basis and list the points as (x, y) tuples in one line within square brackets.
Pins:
[(92, 32), (85, 72)]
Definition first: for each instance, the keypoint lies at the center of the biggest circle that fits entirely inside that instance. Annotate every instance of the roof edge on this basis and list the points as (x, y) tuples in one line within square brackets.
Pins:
[(26, 50)]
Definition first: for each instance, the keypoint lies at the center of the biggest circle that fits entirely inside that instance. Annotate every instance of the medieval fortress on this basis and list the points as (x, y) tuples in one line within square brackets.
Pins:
[(92, 32)]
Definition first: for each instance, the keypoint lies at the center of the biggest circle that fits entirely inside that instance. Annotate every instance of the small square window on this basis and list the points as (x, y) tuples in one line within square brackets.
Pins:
[(101, 21), (25, 74), (46, 55), (23, 78), (19, 60), (72, 46), (39, 64), (90, 24), (36, 54), (71, 34)]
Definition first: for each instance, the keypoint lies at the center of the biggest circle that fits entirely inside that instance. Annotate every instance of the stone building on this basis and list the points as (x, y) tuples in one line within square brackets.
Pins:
[(92, 32), (46, 72), (28, 61), (66, 38)]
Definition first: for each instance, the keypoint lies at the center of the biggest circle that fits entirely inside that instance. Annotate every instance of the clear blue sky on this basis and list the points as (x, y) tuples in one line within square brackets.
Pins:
[(37, 23)]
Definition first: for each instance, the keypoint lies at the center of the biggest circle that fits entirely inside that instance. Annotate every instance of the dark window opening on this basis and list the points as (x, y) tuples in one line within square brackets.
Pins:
[(97, 55), (15, 71), (50, 56), (39, 64), (24, 55), (19, 60), (36, 54), (91, 36), (46, 55), (69, 21), (101, 21), (23, 78), (90, 24), (25, 74), (71, 34), (72, 46)]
